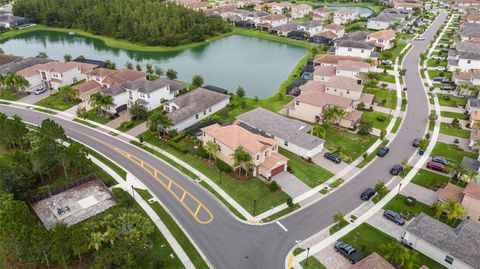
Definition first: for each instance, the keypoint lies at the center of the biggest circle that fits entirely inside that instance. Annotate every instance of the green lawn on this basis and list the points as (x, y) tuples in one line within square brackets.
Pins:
[(92, 115), (380, 120), (337, 227), (130, 125), (9, 95), (430, 180), (367, 239), (396, 125), (336, 183), (460, 116), (448, 129), (177, 233), (104, 160), (243, 191), (312, 263), (435, 73), (386, 78), (351, 145), (55, 101), (385, 98), (310, 173), (394, 52), (452, 153), (451, 101), (397, 204), (434, 63)]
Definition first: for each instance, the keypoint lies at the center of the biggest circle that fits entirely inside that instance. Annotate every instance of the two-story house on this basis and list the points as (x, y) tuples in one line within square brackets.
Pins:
[(53, 75), (300, 11), (344, 15), (311, 27), (271, 20), (108, 77), (281, 7), (468, 197), (320, 14), (465, 57), (265, 159), (383, 39), (354, 48), (148, 93), (193, 106), (337, 29)]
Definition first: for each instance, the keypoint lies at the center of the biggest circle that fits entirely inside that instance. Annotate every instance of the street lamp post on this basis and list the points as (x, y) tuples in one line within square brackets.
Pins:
[(133, 193), (399, 186), (306, 262), (254, 206)]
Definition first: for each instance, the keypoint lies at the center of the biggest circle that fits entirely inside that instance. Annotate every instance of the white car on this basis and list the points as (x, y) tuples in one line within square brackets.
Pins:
[(419, 38), (40, 91), (440, 68), (436, 57)]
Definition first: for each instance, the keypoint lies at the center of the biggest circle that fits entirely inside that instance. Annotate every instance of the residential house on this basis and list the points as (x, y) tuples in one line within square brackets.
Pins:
[(290, 134), (332, 60), (473, 17), (311, 27), (266, 161), (272, 20), (473, 109), (300, 11), (192, 4), (320, 14), (325, 37), (354, 48), (465, 57), (381, 22), (407, 6), (324, 72), (108, 77), (372, 261), (285, 29), (148, 93), (192, 107), (8, 58), (8, 21), (256, 17), (471, 77), (383, 39), (281, 7), (53, 75), (471, 33), (352, 69), (15, 66), (468, 197), (337, 29), (344, 86), (466, 4), (344, 15), (455, 248)]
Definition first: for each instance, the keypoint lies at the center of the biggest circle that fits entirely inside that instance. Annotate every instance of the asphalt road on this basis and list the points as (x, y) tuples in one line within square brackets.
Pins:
[(231, 244)]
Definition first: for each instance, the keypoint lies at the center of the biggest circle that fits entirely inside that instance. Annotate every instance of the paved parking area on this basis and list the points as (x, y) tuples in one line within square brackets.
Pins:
[(420, 193), (462, 142), (332, 259), (327, 164), (386, 226), (290, 184), (32, 98)]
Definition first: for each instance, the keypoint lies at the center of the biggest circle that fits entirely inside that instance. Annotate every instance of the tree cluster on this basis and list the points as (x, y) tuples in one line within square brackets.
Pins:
[(144, 21)]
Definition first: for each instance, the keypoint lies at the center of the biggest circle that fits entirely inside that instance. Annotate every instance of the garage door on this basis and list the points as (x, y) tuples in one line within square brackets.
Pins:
[(278, 170), (121, 108)]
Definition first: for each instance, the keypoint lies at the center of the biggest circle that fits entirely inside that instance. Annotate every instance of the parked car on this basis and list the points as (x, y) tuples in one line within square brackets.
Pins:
[(348, 252), (436, 166), (394, 216), (40, 91), (419, 38), (334, 157), (416, 142), (396, 170), (367, 194), (444, 50), (447, 88), (440, 68), (387, 62), (444, 39), (383, 151), (440, 160), (438, 79), (436, 57)]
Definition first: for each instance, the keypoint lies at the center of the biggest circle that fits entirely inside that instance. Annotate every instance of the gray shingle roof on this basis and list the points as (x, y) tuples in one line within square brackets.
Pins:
[(356, 36), (471, 30), (468, 47), (462, 242), (471, 164), (353, 44), (10, 19), (474, 102), (289, 26), (194, 102), (16, 66), (384, 18), (293, 131), (312, 23), (144, 86)]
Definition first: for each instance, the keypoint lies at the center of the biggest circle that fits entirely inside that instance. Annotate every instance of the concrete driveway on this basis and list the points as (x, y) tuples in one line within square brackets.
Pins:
[(290, 184), (420, 193), (386, 226), (32, 98), (327, 164)]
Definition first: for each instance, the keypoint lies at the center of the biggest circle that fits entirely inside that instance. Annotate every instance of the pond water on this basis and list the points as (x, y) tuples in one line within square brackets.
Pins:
[(256, 64), (363, 12)]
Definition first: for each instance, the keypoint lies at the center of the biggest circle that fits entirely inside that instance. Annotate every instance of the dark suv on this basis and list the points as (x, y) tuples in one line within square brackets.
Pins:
[(416, 142), (367, 194), (334, 157), (348, 252), (383, 151), (394, 216), (396, 170)]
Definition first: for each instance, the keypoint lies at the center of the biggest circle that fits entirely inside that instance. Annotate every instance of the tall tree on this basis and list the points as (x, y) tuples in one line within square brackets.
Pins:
[(158, 123), (197, 81), (172, 74), (68, 93), (67, 57), (211, 149)]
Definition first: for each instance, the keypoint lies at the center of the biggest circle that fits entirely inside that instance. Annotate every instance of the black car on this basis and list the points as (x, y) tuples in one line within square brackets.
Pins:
[(440, 160), (416, 142), (348, 252), (394, 216), (367, 194), (383, 151), (334, 157), (396, 170)]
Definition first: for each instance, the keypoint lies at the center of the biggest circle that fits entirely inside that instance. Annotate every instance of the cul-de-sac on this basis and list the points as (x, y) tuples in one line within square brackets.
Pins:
[(240, 134)]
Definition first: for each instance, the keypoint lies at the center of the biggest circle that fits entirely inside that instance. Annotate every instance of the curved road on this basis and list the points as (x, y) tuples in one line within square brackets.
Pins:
[(225, 241)]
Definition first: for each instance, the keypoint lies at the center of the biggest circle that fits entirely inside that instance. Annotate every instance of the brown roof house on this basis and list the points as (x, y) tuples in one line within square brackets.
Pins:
[(266, 161), (372, 261), (468, 197), (344, 15), (383, 39)]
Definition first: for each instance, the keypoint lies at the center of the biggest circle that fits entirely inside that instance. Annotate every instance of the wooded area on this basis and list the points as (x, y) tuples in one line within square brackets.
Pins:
[(143, 21)]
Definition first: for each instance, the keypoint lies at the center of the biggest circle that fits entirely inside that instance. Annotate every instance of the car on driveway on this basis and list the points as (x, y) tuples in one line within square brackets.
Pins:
[(387, 62), (334, 157), (440, 160), (40, 91), (436, 57), (436, 166), (367, 194), (394, 217), (348, 252), (396, 170), (383, 151), (416, 142), (440, 68)]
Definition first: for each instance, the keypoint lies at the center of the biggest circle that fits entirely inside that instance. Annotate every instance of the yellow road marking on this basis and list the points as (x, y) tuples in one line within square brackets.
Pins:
[(290, 261), (168, 186)]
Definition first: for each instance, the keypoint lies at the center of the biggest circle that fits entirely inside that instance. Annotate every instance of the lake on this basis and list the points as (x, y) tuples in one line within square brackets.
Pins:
[(256, 64), (362, 12)]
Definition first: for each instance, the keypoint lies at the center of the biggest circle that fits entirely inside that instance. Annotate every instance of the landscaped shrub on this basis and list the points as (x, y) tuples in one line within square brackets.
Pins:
[(127, 124), (179, 137), (223, 166), (289, 201), (381, 118), (179, 147), (173, 133), (202, 153), (273, 186)]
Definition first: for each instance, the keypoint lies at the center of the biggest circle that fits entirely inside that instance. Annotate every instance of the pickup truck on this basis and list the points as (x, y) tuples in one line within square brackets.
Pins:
[(348, 252)]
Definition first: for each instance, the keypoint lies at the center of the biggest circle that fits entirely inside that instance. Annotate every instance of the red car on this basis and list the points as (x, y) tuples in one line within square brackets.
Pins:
[(436, 166)]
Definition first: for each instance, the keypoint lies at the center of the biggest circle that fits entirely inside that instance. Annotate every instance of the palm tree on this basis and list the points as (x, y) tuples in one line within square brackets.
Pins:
[(158, 123), (96, 241), (319, 130), (333, 114), (69, 93), (15, 82), (391, 251), (240, 156), (212, 149), (409, 258), (458, 170), (452, 207), (101, 102)]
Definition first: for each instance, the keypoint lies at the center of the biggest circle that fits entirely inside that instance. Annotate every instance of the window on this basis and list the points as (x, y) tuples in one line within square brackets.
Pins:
[(349, 49), (214, 140), (297, 103), (363, 51), (449, 259), (210, 109), (266, 153), (469, 61), (258, 157), (196, 116), (75, 80), (205, 112), (285, 143)]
